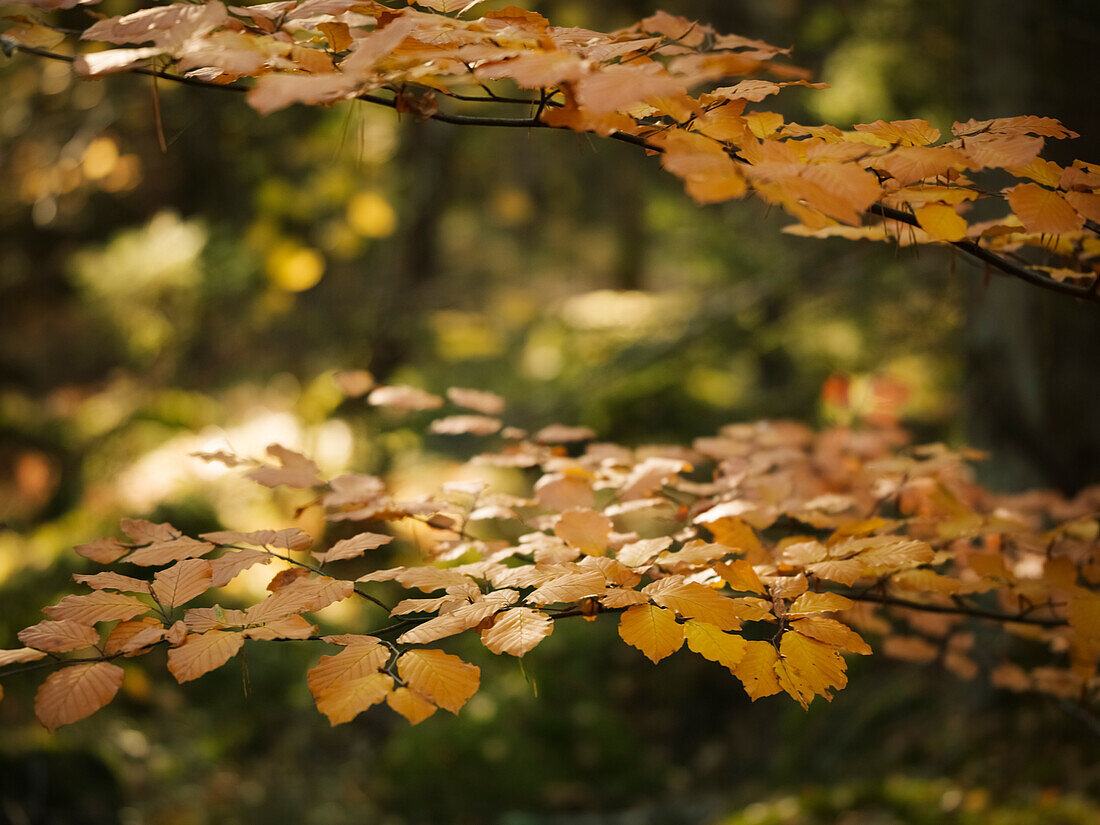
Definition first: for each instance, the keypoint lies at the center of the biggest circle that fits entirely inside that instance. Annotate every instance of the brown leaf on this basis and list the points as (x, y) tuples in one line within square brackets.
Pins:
[(72, 693), (354, 547), (99, 606), (182, 582), (59, 637), (202, 652)]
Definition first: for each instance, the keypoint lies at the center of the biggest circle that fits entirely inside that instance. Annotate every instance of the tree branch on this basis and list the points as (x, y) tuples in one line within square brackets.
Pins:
[(958, 610), (1090, 292)]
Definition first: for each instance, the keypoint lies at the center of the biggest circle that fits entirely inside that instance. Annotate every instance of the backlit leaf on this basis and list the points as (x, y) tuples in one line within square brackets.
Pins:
[(712, 643), (653, 630), (518, 630), (411, 705), (345, 700), (439, 677), (202, 652)]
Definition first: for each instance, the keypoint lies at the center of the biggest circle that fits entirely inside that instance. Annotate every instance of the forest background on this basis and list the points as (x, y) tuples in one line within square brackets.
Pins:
[(160, 302)]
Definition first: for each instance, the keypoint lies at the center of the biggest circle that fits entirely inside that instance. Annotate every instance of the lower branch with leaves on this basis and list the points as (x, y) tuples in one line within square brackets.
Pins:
[(769, 549)]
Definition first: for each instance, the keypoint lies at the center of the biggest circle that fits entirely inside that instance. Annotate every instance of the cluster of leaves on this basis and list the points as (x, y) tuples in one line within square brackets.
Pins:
[(766, 549), (657, 84)]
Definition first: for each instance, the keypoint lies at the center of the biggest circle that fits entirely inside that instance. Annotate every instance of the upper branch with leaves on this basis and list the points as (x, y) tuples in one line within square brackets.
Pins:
[(767, 549), (663, 85)]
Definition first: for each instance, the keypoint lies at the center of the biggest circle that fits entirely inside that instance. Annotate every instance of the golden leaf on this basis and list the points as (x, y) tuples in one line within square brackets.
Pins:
[(694, 601), (712, 643), (72, 693), (809, 603), (831, 632), (202, 652), (517, 631), (439, 677), (411, 705), (756, 669), (109, 580), (808, 668), (226, 567), (346, 699), (941, 222), (653, 630)]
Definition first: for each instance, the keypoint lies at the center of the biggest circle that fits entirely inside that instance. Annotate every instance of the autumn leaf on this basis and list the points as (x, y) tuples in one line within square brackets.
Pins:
[(1042, 210), (354, 547), (653, 630), (756, 669), (569, 587), (807, 668), (941, 222), (810, 603), (182, 582), (99, 606), (103, 551), (831, 632), (404, 398), (296, 470), (439, 677), (72, 693), (517, 631), (347, 699), (586, 530), (59, 636), (486, 403), (362, 658), (694, 601), (411, 705), (25, 654), (712, 643), (202, 652)]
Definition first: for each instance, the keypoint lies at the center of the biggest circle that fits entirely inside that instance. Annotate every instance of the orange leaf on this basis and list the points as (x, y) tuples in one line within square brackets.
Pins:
[(359, 659), (411, 705), (59, 637), (1042, 210), (586, 530), (99, 606), (694, 601), (72, 693), (443, 679), (831, 632), (756, 670), (712, 643), (347, 699), (182, 582), (202, 652)]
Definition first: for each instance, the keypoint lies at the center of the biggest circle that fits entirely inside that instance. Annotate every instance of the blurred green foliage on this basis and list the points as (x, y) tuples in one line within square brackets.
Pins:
[(158, 303)]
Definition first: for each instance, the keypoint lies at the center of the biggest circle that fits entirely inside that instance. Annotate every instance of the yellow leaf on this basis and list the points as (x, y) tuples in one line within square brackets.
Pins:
[(202, 652), (941, 222), (808, 668), (73, 693), (712, 643), (288, 627), (182, 582), (694, 601), (517, 631), (307, 594), (59, 637), (832, 632), (357, 660), (347, 699), (99, 606), (653, 630), (439, 677), (411, 705), (809, 603), (756, 669)]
